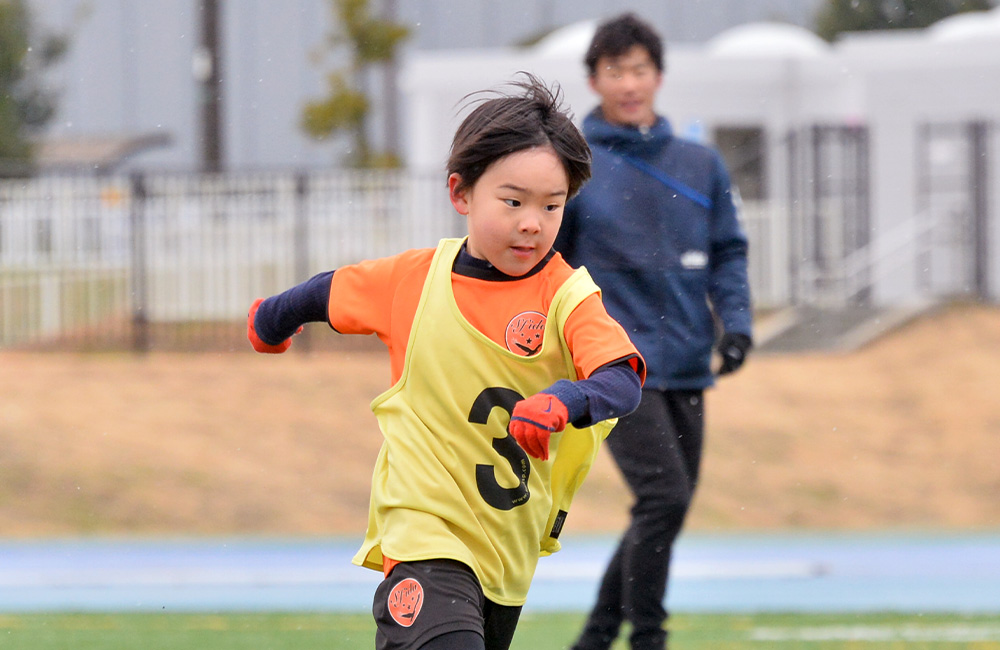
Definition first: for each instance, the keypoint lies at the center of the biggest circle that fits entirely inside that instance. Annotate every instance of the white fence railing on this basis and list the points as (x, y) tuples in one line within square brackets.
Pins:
[(100, 255), (79, 253), (766, 227)]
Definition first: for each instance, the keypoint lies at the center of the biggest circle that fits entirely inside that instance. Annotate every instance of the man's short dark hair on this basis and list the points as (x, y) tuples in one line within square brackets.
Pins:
[(619, 35)]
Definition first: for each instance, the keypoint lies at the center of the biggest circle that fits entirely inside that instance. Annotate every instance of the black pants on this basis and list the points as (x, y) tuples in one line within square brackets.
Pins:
[(658, 449)]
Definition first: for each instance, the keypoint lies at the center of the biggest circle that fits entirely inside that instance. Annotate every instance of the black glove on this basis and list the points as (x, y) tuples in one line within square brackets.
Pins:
[(733, 348)]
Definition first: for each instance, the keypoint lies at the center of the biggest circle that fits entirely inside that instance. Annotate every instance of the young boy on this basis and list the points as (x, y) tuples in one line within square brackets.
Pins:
[(507, 373)]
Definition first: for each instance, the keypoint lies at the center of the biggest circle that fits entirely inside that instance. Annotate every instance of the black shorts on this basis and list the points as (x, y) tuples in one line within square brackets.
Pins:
[(423, 600)]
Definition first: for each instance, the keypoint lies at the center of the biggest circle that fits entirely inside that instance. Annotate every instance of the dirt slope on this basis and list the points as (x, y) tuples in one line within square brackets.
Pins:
[(903, 434)]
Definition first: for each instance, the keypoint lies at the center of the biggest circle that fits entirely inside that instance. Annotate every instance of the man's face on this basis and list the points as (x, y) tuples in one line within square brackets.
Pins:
[(627, 85)]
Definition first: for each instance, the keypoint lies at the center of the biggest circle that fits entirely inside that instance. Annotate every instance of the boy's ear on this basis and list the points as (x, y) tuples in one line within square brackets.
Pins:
[(456, 195)]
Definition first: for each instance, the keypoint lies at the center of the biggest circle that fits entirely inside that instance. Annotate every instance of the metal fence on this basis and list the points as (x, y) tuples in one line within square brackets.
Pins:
[(173, 261)]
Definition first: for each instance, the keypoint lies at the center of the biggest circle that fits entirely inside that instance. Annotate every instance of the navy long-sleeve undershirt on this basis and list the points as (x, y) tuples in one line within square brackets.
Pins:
[(280, 316)]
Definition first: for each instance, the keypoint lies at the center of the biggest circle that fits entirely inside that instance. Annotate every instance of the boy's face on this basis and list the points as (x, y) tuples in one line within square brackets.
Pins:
[(627, 85), (514, 209)]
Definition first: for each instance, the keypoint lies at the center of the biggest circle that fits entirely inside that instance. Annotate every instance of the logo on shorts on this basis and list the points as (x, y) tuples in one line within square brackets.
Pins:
[(524, 333), (405, 601)]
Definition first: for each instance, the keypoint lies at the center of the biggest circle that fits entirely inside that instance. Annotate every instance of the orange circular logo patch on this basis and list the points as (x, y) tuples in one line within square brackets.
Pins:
[(405, 601), (524, 333)]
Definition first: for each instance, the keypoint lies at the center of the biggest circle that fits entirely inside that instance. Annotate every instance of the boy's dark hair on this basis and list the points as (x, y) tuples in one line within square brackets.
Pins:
[(618, 35), (532, 116)]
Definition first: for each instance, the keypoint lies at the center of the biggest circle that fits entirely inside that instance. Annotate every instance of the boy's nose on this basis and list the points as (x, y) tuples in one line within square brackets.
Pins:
[(530, 223)]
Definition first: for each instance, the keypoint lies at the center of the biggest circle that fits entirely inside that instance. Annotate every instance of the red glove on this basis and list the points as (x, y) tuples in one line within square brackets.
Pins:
[(534, 420), (255, 341)]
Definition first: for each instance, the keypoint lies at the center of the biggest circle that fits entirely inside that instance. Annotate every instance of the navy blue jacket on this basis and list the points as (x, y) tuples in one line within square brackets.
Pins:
[(657, 229)]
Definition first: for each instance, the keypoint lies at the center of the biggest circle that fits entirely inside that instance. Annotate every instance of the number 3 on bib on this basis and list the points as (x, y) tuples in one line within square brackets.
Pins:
[(492, 492)]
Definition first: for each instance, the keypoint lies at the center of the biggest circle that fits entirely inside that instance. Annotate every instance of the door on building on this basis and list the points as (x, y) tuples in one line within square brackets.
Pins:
[(830, 215), (952, 204)]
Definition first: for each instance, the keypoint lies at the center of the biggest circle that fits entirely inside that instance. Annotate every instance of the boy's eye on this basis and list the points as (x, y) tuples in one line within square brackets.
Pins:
[(553, 207), (514, 203)]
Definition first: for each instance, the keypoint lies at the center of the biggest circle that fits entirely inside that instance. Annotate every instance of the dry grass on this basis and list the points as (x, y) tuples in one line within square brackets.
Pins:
[(903, 434)]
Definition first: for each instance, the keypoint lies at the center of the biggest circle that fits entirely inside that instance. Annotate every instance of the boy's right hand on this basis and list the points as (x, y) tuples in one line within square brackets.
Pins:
[(534, 420), (255, 341)]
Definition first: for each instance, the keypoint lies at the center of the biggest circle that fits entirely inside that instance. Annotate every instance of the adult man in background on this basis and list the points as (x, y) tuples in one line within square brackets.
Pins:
[(658, 231)]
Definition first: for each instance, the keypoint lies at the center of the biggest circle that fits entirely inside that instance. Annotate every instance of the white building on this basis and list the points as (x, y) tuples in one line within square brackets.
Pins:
[(869, 168)]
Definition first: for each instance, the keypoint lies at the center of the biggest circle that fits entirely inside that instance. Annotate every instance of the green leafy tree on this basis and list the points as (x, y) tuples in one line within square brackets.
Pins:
[(837, 16), (368, 41), (25, 104)]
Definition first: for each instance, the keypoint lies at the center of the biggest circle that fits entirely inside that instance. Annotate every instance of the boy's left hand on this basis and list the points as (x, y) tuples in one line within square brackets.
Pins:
[(534, 420)]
